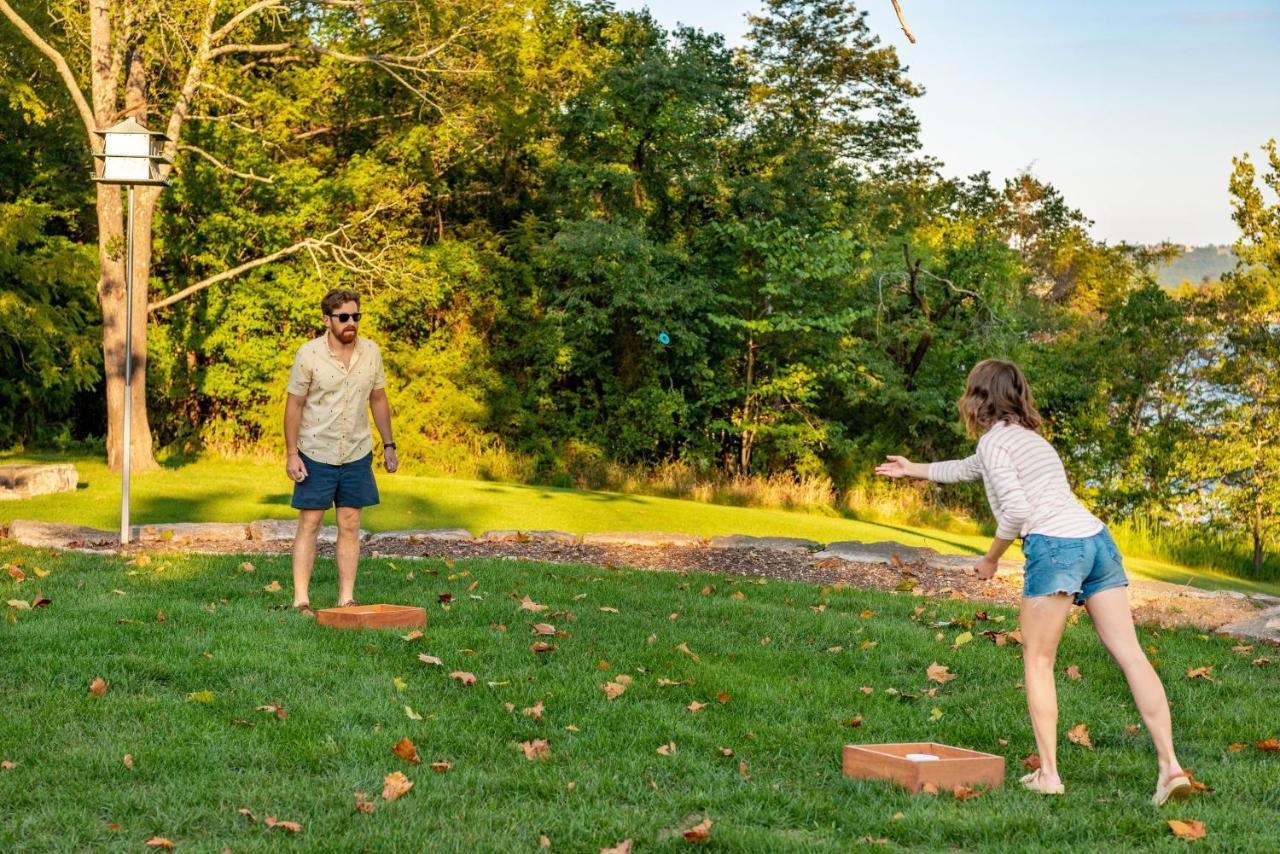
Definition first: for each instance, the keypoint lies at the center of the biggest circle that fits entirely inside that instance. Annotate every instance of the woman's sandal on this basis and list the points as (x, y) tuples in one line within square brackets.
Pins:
[(1176, 788), (1033, 783), (350, 603)]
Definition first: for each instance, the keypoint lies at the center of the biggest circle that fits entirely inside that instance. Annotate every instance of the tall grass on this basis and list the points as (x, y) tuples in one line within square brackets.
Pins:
[(1195, 547)]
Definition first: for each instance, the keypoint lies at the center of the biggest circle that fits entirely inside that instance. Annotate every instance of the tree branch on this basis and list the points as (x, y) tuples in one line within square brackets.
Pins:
[(189, 86), (248, 176), (249, 11), (903, 23), (344, 255), (64, 70)]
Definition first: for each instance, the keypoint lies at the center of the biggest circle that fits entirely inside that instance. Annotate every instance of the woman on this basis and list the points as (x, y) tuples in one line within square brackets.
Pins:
[(1071, 558)]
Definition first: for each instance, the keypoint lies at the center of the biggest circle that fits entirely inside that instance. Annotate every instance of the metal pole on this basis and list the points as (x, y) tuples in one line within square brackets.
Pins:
[(128, 377)]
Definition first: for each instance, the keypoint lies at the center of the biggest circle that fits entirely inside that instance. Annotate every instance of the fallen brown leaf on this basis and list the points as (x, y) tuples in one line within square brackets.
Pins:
[(929, 789), (542, 646), (395, 785), (725, 751), (430, 659), (695, 706), (543, 628), (274, 708), (623, 847), (291, 826), (855, 721), (1242, 649), (722, 697), (535, 711), (1132, 729), (1259, 662), (527, 604), (700, 832), (744, 770), (441, 765), (8, 765), (1205, 673), (667, 749), (609, 610), (128, 761), (273, 587), (405, 750), (413, 635), (964, 793), (1269, 744), (1189, 829), (1073, 672), (160, 842), (939, 673), (613, 690), (538, 748), (463, 677), (1079, 734), (366, 807), (684, 648), (98, 687), (247, 813), (1032, 761)]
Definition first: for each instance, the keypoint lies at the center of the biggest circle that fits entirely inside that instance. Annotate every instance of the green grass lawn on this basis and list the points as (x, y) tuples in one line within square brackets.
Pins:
[(215, 490), (195, 764)]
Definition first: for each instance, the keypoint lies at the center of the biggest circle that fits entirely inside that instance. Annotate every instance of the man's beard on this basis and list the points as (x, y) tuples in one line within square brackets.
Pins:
[(346, 336)]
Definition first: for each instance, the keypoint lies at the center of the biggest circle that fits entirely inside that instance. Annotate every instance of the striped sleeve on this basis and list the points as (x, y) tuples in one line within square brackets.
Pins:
[(1008, 498), (955, 471)]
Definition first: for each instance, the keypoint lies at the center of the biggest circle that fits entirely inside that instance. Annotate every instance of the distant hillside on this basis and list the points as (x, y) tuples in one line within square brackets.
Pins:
[(1196, 264)]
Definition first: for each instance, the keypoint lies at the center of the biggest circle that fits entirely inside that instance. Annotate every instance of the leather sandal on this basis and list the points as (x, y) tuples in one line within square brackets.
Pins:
[(350, 603), (1176, 788), (1033, 783), (305, 610)]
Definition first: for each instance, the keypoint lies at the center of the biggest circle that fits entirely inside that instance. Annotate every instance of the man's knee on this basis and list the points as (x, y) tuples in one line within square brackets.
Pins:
[(309, 523), (349, 523)]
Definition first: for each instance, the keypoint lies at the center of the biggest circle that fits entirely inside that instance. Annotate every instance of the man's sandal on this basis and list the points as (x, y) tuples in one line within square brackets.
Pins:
[(1033, 783), (350, 603), (1176, 788), (305, 610)]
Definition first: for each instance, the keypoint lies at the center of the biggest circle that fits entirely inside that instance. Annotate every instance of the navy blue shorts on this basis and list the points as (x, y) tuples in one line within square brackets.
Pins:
[(1081, 566), (325, 486)]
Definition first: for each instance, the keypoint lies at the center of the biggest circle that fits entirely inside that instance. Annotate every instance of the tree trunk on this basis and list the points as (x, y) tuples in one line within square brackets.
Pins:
[(1257, 532), (744, 459), (111, 259)]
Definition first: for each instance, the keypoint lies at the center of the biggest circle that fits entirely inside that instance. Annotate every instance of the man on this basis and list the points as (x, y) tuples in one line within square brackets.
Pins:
[(330, 446)]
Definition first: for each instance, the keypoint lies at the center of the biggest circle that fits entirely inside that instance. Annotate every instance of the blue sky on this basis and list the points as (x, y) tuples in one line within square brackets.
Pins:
[(1133, 109)]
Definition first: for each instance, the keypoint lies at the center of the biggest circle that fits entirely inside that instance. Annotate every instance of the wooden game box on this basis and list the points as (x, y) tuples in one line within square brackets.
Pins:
[(373, 617), (955, 766)]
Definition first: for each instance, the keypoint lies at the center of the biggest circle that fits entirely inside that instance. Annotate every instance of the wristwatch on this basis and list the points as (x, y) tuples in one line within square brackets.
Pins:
[(386, 445)]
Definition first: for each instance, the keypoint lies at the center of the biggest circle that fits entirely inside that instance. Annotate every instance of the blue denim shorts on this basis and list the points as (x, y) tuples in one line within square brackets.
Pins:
[(1081, 566), (325, 486)]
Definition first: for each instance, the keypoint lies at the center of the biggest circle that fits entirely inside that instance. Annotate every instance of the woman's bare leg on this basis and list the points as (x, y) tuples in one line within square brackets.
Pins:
[(1042, 619)]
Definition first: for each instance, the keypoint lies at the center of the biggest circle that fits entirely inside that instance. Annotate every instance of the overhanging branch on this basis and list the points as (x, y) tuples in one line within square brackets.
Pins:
[(60, 63)]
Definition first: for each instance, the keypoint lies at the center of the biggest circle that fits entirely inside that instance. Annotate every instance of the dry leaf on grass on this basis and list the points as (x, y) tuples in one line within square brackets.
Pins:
[(412, 636), (538, 748), (964, 793), (1079, 734), (1205, 673), (247, 813), (936, 672), (98, 686), (128, 761), (394, 785), (623, 847), (542, 646), (1132, 729), (700, 832), (1032, 761), (609, 610), (160, 842), (543, 628), (725, 751), (8, 765), (1242, 649), (366, 807), (1073, 672), (695, 706), (667, 749), (684, 648), (411, 714), (274, 708), (405, 750), (527, 604), (535, 711), (430, 659), (463, 677), (722, 697), (441, 765), (1190, 829), (613, 690), (273, 587), (291, 826), (744, 770), (1269, 744)]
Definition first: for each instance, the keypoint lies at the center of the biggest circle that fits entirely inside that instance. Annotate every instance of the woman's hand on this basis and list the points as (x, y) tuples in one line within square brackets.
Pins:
[(986, 566), (899, 467)]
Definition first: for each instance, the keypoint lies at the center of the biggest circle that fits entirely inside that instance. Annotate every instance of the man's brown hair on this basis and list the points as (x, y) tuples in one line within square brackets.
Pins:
[(337, 297), (997, 391)]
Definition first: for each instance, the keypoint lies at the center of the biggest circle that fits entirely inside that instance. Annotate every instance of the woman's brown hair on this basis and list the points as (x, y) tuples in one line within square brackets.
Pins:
[(997, 391)]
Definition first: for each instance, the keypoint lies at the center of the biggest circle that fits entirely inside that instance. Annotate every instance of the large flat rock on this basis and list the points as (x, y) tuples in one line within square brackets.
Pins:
[(883, 552), (1265, 627), (424, 535), (767, 544), (186, 533), (27, 481), (52, 535), (648, 539), (282, 530), (560, 538)]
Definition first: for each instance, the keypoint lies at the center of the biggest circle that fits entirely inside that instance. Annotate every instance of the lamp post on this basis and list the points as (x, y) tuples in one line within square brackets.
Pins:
[(131, 155)]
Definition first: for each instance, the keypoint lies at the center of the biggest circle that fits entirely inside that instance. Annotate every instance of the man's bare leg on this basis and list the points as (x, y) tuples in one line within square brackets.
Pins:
[(304, 554), (348, 552)]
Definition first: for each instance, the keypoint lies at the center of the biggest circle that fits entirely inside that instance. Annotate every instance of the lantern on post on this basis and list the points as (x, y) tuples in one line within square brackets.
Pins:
[(131, 156)]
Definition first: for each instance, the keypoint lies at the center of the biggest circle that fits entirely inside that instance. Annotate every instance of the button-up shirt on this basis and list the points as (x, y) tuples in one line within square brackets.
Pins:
[(335, 417)]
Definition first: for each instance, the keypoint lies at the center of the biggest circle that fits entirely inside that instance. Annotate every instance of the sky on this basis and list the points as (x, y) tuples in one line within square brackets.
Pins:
[(1133, 110)]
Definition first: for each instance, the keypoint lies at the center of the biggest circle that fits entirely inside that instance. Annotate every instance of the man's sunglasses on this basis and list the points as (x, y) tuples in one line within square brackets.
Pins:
[(344, 317)]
